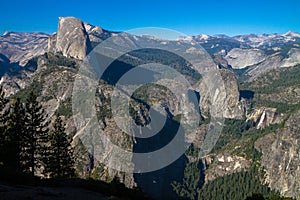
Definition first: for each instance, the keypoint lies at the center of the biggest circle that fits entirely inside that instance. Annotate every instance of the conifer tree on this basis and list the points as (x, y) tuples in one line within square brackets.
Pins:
[(14, 134), (35, 136), (3, 100), (59, 161), (3, 117), (192, 181)]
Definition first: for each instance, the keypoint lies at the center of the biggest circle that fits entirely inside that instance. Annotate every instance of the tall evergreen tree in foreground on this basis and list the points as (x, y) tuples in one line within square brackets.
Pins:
[(3, 118), (35, 135), (14, 134), (59, 160)]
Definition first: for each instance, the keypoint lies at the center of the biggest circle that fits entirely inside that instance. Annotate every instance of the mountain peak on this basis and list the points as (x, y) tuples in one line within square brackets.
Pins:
[(221, 36), (71, 39), (203, 37), (292, 34), (62, 19), (6, 33)]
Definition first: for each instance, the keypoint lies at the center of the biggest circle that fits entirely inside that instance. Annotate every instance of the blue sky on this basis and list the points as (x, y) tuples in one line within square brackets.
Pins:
[(192, 17)]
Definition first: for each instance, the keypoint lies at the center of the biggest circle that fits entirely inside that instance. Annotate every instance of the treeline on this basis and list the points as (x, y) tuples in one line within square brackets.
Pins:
[(237, 186), (280, 106), (28, 144), (258, 196), (163, 57), (273, 81), (192, 181)]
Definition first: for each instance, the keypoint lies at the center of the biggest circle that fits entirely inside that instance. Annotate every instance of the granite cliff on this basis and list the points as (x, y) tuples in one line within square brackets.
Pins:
[(71, 39), (280, 157)]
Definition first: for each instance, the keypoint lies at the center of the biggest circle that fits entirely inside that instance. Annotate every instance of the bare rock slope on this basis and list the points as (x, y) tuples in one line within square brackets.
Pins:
[(281, 157), (21, 47)]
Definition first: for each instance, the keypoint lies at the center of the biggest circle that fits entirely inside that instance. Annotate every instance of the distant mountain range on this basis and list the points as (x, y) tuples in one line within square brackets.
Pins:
[(251, 40), (254, 52)]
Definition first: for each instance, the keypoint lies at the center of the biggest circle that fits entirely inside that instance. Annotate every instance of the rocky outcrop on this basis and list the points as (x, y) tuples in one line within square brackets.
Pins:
[(281, 158), (94, 32), (71, 39), (52, 43), (264, 117), (220, 61), (224, 164), (14, 83), (13, 76), (271, 62), (293, 58), (242, 58), (226, 102)]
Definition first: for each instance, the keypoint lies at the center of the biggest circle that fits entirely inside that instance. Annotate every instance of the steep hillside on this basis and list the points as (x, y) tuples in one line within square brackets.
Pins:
[(21, 47)]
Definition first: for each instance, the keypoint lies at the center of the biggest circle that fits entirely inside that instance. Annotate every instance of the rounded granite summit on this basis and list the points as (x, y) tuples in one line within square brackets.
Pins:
[(71, 39)]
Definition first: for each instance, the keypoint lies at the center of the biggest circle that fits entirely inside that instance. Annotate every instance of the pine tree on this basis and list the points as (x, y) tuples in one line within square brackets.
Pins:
[(60, 161), (14, 134), (35, 136), (3, 118), (3, 100), (192, 181)]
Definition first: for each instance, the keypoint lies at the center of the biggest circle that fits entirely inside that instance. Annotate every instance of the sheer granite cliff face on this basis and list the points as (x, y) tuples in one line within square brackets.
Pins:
[(71, 40), (281, 158), (227, 101)]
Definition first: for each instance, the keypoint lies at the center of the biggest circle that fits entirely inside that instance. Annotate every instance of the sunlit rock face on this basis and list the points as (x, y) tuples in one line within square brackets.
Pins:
[(281, 158), (71, 39)]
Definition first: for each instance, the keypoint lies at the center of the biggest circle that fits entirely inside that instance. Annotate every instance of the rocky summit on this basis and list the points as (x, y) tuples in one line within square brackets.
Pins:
[(71, 39)]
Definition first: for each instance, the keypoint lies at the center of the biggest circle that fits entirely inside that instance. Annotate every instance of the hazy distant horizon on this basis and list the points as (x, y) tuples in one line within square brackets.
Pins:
[(196, 34), (190, 17)]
